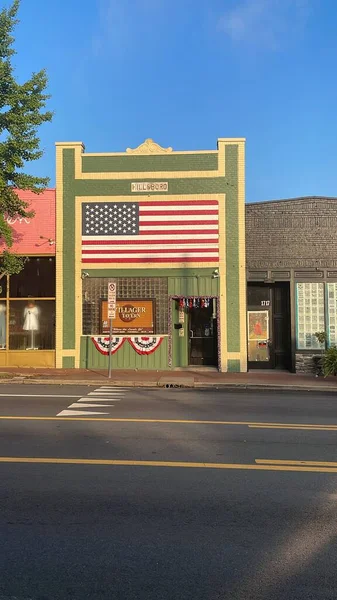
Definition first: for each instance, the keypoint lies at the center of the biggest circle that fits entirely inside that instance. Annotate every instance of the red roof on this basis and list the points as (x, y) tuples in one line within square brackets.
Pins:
[(36, 235)]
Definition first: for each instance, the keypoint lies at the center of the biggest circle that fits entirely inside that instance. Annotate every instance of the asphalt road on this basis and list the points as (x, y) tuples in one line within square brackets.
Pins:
[(167, 494)]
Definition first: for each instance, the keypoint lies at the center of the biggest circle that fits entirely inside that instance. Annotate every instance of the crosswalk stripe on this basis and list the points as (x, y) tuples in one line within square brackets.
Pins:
[(111, 388), (76, 413), (99, 395), (117, 392), (85, 405), (91, 399)]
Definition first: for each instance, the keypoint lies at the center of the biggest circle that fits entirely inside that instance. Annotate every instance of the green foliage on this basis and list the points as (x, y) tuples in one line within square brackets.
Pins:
[(321, 337), (329, 361), (21, 113), (11, 264)]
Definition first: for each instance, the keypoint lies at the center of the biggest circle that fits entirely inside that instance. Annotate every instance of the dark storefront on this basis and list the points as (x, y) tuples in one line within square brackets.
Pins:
[(268, 322), (291, 248)]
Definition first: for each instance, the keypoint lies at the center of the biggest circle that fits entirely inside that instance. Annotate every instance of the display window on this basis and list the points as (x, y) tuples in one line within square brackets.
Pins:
[(27, 307)]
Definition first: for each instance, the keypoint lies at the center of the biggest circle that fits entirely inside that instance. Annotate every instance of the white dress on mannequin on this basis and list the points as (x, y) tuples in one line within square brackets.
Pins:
[(31, 318)]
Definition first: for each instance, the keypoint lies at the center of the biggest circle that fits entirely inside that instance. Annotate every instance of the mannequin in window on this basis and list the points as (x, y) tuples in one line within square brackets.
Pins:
[(2, 326), (31, 316)]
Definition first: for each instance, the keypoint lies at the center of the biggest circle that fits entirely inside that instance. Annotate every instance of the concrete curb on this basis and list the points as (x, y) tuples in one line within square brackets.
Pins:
[(230, 386)]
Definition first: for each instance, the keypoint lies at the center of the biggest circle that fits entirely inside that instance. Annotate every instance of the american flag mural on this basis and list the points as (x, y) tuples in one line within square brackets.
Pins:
[(147, 232)]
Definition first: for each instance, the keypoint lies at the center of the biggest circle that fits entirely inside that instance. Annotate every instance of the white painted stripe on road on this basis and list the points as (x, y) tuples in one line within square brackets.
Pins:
[(85, 405), (112, 394), (40, 395), (107, 390), (112, 389), (91, 399), (74, 413)]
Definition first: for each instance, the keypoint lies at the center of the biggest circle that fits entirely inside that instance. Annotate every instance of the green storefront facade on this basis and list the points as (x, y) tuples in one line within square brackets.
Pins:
[(178, 263)]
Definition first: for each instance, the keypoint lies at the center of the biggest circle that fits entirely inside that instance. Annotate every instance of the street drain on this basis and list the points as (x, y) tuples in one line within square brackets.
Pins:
[(176, 382), (174, 385)]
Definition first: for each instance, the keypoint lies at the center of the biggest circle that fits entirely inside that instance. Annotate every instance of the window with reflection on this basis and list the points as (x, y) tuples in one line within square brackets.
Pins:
[(27, 307), (31, 324), (37, 279)]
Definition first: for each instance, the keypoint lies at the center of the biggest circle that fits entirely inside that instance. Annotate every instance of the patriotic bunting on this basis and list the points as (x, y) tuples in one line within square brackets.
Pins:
[(141, 345), (102, 344), (145, 345)]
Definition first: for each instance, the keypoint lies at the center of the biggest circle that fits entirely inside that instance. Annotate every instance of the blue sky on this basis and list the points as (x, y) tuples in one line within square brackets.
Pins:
[(185, 72)]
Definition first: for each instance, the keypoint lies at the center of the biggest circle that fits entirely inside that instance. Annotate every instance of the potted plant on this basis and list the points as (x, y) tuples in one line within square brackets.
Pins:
[(318, 359), (329, 362)]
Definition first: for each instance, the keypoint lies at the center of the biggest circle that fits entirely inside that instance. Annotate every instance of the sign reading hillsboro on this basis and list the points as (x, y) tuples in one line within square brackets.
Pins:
[(147, 186)]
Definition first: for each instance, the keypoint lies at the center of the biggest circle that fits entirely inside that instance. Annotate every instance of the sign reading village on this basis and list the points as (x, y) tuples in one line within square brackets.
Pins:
[(132, 316)]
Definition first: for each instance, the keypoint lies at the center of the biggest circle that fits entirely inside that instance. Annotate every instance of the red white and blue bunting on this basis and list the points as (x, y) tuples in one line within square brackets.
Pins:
[(102, 344), (145, 345), (141, 345)]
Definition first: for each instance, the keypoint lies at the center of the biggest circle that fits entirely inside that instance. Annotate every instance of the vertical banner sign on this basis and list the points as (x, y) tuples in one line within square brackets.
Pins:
[(112, 295)]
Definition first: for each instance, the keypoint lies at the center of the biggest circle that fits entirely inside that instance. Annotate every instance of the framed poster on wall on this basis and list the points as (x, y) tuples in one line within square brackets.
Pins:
[(132, 317), (309, 315), (332, 313)]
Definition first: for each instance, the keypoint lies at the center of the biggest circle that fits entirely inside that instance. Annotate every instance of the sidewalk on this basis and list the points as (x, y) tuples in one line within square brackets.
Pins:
[(192, 377)]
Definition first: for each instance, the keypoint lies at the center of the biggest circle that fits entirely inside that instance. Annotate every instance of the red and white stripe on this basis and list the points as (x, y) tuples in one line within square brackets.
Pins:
[(169, 231)]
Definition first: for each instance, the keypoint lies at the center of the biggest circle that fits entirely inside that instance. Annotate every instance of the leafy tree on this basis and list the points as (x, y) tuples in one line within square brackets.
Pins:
[(21, 113)]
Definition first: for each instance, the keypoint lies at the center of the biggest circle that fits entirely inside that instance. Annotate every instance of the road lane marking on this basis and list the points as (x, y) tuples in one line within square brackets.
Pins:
[(87, 402), (167, 421), (91, 399), (102, 393), (86, 405), (40, 395), (71, 413), (111, 388), (303, 427), (309, 463), (171, 464)]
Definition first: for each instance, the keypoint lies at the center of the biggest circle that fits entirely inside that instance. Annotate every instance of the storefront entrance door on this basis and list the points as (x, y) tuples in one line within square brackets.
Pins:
[(202, 337), (268, 326), (259, 338)]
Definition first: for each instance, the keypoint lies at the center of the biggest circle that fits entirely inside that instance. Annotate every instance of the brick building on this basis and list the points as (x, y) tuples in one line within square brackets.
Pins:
[(27, 300), (291, 249), (169, 229)]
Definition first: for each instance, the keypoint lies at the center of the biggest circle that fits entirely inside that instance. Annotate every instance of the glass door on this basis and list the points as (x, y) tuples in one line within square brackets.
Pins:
[(202, 336), (259, 338)]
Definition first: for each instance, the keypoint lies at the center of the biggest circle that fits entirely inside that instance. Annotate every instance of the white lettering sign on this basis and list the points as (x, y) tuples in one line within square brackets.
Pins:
[(147, 186)]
